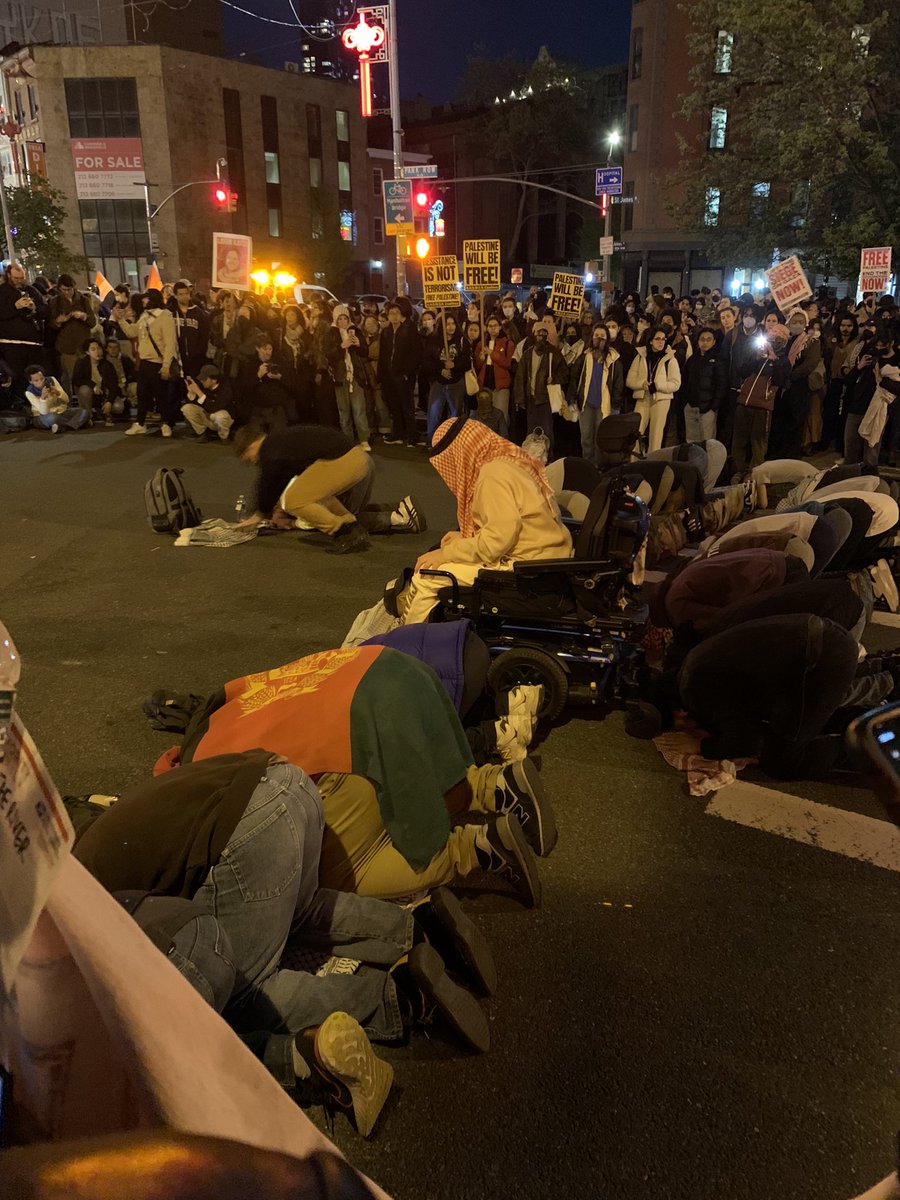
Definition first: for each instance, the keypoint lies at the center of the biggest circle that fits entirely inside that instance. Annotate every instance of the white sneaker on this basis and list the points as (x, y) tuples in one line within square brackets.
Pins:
[(166, 430), (54, 429), (525, 700), (885, 584), (365, 446), (135, 428), (511, 733)]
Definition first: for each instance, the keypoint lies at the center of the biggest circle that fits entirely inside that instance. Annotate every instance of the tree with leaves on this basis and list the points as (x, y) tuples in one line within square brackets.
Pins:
[(37, 216), (808, 96), (538, 119), (323, 255)]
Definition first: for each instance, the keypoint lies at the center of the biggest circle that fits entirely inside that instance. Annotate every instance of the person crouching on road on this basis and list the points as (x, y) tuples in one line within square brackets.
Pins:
[(50, 404), (209, 408), (317, 475)]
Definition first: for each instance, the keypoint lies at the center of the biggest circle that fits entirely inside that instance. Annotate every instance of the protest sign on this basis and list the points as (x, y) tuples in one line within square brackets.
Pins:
[(232, 258), (481, 265), (567, 295), (875, 269), (788, 283), (440, 276)]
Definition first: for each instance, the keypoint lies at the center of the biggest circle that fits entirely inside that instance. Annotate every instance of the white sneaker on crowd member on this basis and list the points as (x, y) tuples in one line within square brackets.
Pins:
[(54, 429), (135, 428), (513, 738), (524, 700), (365, 446), (885, 585), (409, 517), (166, 430)]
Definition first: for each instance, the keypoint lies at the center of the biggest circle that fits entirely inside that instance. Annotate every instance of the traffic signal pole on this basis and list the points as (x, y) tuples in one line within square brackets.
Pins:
[(396, 129)]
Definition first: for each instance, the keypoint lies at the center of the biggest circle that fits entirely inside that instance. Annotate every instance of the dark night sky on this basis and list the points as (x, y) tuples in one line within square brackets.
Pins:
[(436, 38)]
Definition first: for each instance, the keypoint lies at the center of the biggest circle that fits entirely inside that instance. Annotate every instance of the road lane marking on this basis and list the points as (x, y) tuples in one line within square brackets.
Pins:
[(833, 829)]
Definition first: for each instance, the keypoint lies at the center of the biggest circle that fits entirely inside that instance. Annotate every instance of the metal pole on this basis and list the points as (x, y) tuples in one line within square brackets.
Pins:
[(7, 228), (146, 188), (607, 224), (394, 86)]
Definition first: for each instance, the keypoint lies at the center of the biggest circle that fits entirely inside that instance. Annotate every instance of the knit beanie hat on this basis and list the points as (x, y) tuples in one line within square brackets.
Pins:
[(339, 310)]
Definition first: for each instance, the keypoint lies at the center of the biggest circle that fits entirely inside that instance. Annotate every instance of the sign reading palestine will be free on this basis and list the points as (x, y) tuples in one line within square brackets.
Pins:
[(567, 295), (481, 265)]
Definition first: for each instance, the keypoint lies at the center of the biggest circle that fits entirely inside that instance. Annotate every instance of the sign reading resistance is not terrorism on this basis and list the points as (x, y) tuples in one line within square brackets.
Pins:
[(440, 276), (481, 265)]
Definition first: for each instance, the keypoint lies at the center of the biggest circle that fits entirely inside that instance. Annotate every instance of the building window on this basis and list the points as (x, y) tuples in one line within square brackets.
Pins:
[(315, 172), (377, 181), (627, 209), (342, 120), (378, 231), (758, 199), (343, 177), (314, 128), (115, 237), (32, 102), (637, 52), (234, 152), (102, 108), (724, 52), (272, 172), (269, 114), (633, 128), (718, 123), (274, 222), (711, 212)]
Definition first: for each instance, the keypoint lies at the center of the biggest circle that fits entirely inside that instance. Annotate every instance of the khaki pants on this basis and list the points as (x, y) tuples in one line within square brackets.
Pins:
[(358, 856), (420, 596), (200, 420), (312, 496)]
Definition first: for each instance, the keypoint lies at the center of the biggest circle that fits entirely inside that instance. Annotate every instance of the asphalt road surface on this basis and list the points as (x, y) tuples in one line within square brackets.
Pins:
[(701, 1010)]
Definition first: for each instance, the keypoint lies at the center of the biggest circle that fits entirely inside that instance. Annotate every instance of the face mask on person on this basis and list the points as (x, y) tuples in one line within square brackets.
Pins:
[(571, 337), (540, 341), (508, 310), (749, 324), (427, 324)]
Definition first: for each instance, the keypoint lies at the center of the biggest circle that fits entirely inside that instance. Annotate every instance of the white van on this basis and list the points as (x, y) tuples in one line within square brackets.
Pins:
[(305, 292)]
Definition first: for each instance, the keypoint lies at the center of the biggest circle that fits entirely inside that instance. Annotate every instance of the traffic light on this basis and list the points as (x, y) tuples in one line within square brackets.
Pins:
[(423, 247), (220, 197), (422, 200), (604, 205)]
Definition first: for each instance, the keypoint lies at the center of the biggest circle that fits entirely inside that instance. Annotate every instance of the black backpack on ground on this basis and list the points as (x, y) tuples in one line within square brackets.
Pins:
[(14, 420), (169, 506)]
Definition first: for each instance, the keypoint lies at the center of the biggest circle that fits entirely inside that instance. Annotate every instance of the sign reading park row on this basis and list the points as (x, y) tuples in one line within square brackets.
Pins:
[(875, 269), (440, 276), (567, 295), (481, 265), (788, 284)]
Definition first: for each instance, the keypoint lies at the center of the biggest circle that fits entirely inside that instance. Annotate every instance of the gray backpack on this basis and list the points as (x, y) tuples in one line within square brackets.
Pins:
[(168, 503)]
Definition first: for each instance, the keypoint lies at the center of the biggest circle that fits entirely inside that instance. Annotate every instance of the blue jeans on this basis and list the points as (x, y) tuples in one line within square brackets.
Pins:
[(589, 418), (351, 402), (263, 892), (443, 396), (71, 418)]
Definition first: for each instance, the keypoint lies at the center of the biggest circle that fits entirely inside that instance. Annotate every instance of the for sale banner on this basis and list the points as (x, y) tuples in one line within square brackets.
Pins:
[(440, 276), (108, 168), (567, 296), (788, 283), (875, 269), (481, 265)]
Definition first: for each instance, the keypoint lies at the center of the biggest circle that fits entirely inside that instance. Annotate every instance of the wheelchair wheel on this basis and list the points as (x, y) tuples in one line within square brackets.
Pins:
[(642, 720), (525, 665)]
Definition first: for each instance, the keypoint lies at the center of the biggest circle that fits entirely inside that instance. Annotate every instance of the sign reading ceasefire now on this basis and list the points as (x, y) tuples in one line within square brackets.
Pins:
[(440, 276), (481, 265)]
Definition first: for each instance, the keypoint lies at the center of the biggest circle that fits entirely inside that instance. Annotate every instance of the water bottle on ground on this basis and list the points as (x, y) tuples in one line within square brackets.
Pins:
[(240, 508)]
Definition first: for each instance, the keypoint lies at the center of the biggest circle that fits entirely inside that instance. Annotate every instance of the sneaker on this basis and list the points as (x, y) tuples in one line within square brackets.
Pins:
[(352, 539), (165, 430), (365, 446), (885, 585), (350, 1072), (513, 736), (458, 941), (425, 991), (520, 791), (54, 429), (503, 849), (524, 700), (413, 445), (135, 428), (109, 422), (413, 516), (390, 440)]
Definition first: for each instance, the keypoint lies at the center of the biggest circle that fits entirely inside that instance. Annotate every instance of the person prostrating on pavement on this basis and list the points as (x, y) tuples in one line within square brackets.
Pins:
[(317, 475)]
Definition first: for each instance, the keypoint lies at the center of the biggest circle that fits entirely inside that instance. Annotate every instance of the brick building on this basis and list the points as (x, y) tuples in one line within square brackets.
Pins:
[(295, 145)]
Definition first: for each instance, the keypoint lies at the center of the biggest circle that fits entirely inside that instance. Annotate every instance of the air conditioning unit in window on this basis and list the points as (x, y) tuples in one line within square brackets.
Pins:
[(292, 66)]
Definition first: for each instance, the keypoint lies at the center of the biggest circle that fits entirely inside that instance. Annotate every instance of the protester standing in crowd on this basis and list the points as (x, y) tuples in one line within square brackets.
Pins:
[(542, 364), (493, 364), (158, 351), (399, 356), (22, 313), (700, 389), (596, 387), (347, 360), (446, 362), (654, 379), (70, 318)]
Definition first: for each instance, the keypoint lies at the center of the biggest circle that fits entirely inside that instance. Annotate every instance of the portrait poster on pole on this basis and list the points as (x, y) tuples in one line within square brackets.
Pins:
[(231, 260)]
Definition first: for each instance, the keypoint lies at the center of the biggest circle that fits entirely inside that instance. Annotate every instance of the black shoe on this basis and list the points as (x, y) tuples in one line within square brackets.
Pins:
[(520, 791), (457, 939), (351, 539), (423, 983), (502, 849)]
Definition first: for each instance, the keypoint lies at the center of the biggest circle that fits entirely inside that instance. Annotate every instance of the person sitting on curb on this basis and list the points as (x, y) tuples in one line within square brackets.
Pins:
[(237, 839), (209, 408), (318, 476), (50, 404), (96, 383)]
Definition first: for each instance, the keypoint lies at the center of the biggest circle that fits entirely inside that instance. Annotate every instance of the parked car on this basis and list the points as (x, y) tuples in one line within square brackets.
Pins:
[(305, 292), (370, 298)]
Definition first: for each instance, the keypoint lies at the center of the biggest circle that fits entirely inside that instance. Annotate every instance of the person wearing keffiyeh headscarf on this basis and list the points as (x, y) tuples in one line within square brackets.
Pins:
[(505, 512)]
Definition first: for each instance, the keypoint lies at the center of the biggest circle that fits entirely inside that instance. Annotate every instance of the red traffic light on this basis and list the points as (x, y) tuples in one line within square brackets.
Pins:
[(220, 195), (604, 204), (422, 199)]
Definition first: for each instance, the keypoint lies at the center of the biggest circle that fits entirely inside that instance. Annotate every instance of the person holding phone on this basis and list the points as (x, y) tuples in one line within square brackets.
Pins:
[(209, 408), (347, 354), (71, 317), (876, 366), (50, 404)]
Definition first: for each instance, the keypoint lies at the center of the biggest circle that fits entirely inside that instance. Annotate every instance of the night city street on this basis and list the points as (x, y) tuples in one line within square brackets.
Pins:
[(699, 1010)]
